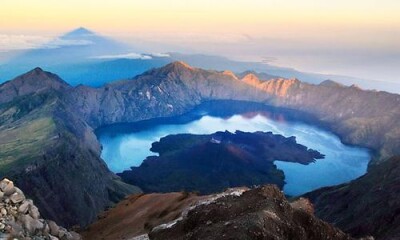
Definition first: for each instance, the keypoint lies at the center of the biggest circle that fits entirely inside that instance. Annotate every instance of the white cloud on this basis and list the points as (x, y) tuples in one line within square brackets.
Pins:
[(20, 42), (11, 42), (126, 56), (160, 55)]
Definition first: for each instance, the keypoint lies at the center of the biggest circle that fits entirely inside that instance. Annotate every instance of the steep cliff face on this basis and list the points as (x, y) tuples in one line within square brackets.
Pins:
[(369, 205), (52, 154), (365, 118), (167, 91)]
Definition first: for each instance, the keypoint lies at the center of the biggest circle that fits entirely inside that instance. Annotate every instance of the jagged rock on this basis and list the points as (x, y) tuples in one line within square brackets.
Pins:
[(53, 237), (7, 187), (303, 204), (23, 208), (260, 213), (18, 196), (20, 218), (54, 228), (75, 235), (3, 211), (30, 224), (34, 212)]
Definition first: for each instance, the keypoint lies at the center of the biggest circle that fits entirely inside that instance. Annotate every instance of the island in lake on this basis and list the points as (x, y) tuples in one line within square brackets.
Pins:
[(212, 163)]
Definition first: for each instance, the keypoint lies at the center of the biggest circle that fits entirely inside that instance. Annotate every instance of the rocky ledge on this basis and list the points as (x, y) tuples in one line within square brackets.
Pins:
[(260, 213), (20, 218), (238, 213)]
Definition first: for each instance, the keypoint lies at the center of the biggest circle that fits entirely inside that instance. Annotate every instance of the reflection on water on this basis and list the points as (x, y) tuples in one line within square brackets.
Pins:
[(342, 163)]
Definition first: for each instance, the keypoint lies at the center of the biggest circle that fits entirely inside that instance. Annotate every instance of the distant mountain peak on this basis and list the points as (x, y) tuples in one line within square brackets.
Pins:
[(37, 70), (34, 81), (251, 79), (230, 74), (179, 64), (38, 76), (177, 67), (80, 31), (330, 83)]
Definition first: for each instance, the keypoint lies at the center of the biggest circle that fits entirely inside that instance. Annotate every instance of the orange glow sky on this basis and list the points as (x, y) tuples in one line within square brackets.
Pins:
[(244, 16), (261, 28)]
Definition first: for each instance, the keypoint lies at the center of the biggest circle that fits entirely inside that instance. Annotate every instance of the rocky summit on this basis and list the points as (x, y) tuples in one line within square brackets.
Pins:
[(238, 213), (20, 218)]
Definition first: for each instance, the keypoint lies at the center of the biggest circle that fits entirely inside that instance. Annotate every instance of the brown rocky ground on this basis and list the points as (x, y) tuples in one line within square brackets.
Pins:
[(138, 214), (261, 213), (239, 213)]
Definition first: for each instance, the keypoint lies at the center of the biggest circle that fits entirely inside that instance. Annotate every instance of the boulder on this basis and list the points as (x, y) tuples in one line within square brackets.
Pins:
[(30, 224), (24, 207), (34, 212), (17, 197), (54, 228), (7, 187), (20, 218)]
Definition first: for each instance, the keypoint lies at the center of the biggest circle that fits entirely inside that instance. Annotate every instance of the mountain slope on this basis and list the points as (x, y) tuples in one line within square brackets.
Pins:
[(47, 129), (359, 117), (171, 90), (369, 205), (44, 143)]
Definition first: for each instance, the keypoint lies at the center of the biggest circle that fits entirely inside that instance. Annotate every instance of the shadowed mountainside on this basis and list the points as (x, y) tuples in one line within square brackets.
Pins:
[(52, 154), (369, 205)]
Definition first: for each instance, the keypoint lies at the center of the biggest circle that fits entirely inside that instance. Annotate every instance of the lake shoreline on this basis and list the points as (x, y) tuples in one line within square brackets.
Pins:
[(131, 142)]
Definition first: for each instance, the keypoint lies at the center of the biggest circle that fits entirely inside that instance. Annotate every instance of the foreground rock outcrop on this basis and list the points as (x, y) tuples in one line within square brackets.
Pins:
[(239, 213), (20, 218), (261, 213)]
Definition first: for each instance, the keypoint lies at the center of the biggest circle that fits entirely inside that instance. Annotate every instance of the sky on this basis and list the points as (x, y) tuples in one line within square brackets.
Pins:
[(359, 38)]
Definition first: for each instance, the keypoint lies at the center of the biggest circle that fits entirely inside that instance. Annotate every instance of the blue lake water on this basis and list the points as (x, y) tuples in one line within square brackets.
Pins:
[(342, 163)]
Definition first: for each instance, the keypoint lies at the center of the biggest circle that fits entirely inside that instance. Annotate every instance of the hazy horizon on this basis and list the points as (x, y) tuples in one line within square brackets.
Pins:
[(358, 38)]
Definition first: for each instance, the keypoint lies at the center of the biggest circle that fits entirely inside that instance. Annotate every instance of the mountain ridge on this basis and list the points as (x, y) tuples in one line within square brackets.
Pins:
[(68, 116)]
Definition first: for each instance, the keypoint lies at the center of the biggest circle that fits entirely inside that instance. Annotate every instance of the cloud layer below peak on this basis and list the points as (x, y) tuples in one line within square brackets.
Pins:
[(12, 42)]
